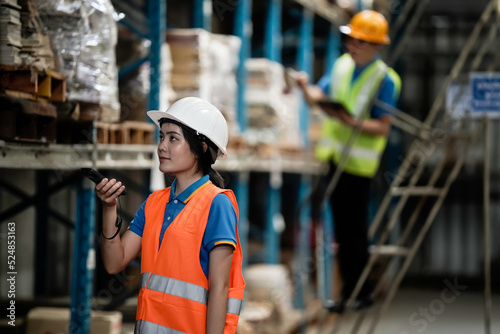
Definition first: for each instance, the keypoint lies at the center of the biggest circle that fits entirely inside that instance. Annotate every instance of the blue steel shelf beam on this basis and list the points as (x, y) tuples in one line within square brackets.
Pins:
[(332, 47), (303, 265), (361, 5), (273, 40), (203, 14), (326, 261), (82, 279), (272, 51), (157, 27), (305, 63), (326, 276), (83, 260), (243, 29), (273, 218)]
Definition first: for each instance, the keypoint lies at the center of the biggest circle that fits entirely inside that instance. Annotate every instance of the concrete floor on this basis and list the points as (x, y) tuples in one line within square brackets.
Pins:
[(425, 311)]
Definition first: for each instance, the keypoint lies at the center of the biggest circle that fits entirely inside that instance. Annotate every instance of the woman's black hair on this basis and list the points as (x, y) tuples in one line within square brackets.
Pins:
[(205, 157)]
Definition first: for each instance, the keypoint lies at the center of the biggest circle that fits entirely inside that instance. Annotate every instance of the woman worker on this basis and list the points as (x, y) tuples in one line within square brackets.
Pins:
[(191, 262)]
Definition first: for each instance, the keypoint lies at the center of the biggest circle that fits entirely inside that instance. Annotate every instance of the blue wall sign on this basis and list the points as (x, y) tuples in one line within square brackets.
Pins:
[(485, 92)]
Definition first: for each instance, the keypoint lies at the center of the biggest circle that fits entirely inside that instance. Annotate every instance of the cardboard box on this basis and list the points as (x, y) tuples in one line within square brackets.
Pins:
[(43, 320)]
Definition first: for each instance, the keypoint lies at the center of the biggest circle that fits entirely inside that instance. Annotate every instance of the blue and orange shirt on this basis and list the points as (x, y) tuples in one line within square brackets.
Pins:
[(221, 224)]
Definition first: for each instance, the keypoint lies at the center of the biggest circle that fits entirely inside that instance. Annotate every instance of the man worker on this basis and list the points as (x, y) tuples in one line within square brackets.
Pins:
[(356, 77)]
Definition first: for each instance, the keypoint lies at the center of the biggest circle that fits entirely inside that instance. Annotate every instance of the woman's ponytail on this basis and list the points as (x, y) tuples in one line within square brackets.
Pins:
[(207, 160), (216, 178)]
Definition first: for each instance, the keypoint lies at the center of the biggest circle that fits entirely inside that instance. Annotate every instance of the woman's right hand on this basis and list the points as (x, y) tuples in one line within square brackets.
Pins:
[(109, 190)]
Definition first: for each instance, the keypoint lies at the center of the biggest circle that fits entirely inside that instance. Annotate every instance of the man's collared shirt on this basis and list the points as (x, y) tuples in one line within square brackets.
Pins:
[(386, 93)]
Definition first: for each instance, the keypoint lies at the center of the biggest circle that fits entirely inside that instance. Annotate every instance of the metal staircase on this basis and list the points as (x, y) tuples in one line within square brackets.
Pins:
[(454, 135)]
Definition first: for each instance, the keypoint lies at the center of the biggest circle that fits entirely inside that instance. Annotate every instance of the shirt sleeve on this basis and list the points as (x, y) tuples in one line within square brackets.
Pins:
[(221, 224), (324, 83), (137, 224), (387, 95)]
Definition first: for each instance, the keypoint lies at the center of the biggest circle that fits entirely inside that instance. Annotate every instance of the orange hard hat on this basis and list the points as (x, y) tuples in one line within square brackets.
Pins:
[(368, 25)]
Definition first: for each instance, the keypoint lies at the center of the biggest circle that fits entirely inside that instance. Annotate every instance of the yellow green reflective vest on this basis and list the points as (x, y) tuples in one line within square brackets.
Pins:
[(356, 96)]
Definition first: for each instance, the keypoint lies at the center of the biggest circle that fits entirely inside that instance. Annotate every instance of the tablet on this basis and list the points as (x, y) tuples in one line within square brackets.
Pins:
[(324, 103)]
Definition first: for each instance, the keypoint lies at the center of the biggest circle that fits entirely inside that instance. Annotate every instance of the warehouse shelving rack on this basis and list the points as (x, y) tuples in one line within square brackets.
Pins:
[(63, 159)]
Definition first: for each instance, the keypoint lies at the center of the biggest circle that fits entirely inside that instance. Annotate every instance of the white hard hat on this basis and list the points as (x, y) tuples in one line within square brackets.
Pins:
[(199, 115)]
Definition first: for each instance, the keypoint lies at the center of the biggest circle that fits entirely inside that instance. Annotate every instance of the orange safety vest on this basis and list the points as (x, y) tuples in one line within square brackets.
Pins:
[(174, 290)]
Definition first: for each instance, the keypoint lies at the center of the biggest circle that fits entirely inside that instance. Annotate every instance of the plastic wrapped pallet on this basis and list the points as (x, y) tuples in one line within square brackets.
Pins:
[(224, 53), (167, 93), (191, 62), (273, 117), (265, 82), (262, 96), (204, 65), (10, 32), (36, 50), (84, 36), (134, 84)]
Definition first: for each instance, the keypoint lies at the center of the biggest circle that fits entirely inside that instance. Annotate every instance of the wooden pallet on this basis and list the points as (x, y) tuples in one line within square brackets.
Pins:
[(135, 132), (128, 132), (30, 83), (27, 120), (71, 131)]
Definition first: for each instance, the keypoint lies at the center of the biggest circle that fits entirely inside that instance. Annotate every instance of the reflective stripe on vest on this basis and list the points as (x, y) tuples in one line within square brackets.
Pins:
[(356, 96), (185, 290), (360, 152), (147, 327)]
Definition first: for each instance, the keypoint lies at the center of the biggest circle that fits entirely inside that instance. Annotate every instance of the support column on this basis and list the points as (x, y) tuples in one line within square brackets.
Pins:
[(327, 253), (332, 48), (305, 63), (274, 220), (326, 249), (83, 260), (303, 260), (273, 39), (202, 14), (156, 10), (243, 29), (361, 5)]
